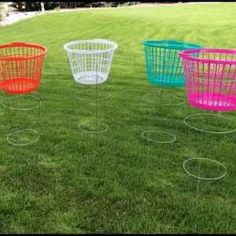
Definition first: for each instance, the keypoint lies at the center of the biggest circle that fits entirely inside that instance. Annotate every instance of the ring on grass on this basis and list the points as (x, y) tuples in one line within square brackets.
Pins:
[(15, 103), (207, 164), (168, 137), (155, 98), (203, 117), (93, 127), (23, 137), (84, 95)]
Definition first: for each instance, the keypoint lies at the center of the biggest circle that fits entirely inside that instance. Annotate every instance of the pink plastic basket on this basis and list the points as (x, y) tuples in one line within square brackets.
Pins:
[(210, 76)]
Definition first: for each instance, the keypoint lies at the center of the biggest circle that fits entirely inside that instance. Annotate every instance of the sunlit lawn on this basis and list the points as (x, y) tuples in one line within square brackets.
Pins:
[(71, 182)]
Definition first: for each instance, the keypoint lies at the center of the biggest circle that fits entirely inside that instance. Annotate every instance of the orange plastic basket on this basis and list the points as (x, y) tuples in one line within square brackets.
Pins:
[(20, 67)]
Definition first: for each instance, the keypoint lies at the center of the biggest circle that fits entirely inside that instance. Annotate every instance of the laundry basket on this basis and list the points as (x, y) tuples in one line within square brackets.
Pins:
[(90, 60), (210, 78), (163, 65), (20, 67)]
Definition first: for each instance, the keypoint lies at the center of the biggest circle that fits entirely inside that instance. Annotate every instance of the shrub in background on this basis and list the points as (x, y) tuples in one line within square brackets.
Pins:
[(50, 5)]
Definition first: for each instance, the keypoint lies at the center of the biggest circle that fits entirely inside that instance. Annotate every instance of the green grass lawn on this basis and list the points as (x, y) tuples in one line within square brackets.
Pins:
[(72, 182)]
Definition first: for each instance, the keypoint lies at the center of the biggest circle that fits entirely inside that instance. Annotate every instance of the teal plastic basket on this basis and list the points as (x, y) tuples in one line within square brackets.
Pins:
[(163, 64)]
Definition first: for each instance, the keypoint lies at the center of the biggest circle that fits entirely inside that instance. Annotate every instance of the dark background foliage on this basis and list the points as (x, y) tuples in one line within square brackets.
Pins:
[(50, 5)]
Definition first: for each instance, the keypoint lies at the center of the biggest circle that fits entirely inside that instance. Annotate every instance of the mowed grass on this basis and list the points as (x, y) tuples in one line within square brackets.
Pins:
[(72, 182)]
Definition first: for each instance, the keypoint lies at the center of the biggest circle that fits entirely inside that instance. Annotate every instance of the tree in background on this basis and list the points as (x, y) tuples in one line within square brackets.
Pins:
[(50, 5), (29, 6)]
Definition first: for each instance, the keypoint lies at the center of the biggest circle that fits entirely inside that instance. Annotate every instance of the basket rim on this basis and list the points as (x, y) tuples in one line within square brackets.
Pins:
[(75, 42), (22, 57), (171, 44), (186, 54)]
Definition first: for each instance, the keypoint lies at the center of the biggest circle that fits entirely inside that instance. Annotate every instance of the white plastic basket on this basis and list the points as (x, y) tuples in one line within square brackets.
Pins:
[(90, 60)]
